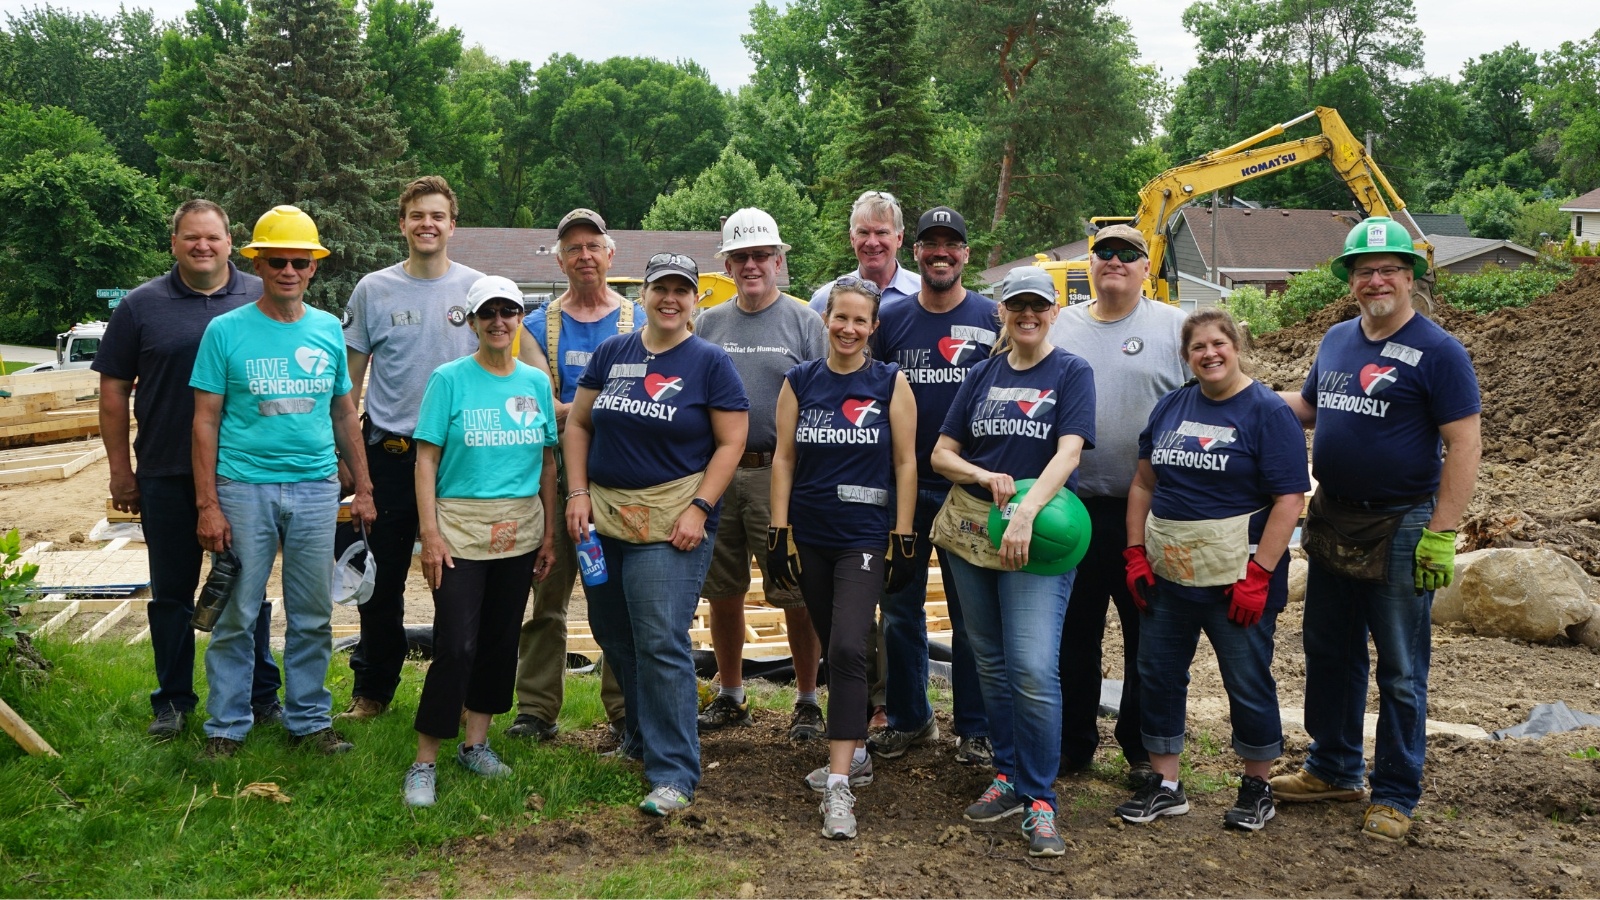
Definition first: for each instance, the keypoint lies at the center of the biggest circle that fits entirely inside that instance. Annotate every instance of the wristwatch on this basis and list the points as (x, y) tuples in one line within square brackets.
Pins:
[(702, 504)]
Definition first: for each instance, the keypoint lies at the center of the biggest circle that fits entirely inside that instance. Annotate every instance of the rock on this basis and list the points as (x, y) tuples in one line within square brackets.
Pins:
[(1532, 595), (1297, 581), (1589, 633)]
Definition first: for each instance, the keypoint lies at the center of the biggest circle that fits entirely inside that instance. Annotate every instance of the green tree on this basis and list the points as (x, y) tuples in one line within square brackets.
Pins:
[(1063, 100), (182, 90), (25, 130), (297, 124), (732, 183), (1491, 212), (1542, 220), (77, 222), (502, 193), (100, 68), (1567, 110)]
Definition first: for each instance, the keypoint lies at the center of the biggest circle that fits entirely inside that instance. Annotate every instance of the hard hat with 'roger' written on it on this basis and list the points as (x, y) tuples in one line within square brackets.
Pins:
[(749, 227), (1378, 234), (284, 228)]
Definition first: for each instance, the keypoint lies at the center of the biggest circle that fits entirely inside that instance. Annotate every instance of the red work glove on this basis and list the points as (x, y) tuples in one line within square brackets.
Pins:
[(1248, 596), (1139, 577)]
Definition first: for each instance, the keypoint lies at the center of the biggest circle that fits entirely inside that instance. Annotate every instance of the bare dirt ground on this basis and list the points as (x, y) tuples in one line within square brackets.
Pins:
[(1517, 818)]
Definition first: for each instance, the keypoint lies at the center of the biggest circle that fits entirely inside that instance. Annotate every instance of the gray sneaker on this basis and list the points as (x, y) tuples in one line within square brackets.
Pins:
[(975, 751), (664, 800), (481, 761), (168, 724), (838, 813), (999, 801), (891, 744), (860, 775), (419, 785)]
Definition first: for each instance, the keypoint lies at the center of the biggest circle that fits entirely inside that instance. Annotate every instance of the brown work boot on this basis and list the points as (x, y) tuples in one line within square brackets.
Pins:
[(325, 741), (1385, 823), (220, 748), (1303, 787), (363, 708)]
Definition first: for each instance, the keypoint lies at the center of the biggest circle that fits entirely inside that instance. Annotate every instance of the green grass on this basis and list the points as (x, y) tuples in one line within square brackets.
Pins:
[(10, 367), (1586, 753), (119, 815)]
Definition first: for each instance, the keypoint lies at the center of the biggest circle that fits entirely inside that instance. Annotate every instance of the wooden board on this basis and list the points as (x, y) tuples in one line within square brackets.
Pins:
[(54, 466), (23, 733)]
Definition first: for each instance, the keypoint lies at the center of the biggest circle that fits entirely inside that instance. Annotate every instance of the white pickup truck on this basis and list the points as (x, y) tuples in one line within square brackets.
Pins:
[(75, 349)]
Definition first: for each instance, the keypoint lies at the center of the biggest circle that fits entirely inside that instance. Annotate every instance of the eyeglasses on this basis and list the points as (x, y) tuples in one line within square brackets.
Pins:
[(499, 312), (576, 249), (759, 256), (1386, 271), (855, 283), (942, 246), (673, 259), (1032, 304), (277, 262), (1126, 255)]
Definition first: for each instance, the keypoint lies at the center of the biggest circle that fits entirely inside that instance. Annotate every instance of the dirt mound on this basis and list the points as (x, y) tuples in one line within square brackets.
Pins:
[(1537, 368)]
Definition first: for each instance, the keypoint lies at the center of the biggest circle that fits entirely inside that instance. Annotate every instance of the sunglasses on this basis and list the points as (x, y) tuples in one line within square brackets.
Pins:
[(499, 312), (1033, 304), (852, 282), (277, 262), (673, 259), (760, 256), (876, 195), (1126, 255)]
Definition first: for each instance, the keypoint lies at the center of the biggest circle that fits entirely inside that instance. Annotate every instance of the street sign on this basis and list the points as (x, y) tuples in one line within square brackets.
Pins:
[(113, 296)]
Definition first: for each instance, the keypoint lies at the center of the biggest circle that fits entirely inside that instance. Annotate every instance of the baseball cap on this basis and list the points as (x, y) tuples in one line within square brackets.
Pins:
[(663, 264), (493, 287), (1027, 280), (942, 217), (1125, 233), (580, 216)]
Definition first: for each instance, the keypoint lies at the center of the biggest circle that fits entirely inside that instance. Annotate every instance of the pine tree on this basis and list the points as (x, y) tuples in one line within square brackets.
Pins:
[(890, 141), (295, 123)]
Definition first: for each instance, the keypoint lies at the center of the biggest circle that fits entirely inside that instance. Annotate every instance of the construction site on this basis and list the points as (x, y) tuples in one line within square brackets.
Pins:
[(1514, 817)]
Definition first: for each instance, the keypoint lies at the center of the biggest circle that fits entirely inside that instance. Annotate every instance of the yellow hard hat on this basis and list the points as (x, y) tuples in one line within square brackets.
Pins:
[(284, 228)]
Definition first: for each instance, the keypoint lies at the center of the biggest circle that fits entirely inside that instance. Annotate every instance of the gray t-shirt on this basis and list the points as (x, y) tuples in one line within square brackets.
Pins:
[(409, 326), (1137, 360), (764, 346)]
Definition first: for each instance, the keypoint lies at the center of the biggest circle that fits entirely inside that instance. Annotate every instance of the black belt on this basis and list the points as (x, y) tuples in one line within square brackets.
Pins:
[(755, 460), (1395, 503)]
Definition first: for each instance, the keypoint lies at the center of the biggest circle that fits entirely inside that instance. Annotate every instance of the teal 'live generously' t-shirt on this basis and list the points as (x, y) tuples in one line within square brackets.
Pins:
[(277, 380), (493, 429)]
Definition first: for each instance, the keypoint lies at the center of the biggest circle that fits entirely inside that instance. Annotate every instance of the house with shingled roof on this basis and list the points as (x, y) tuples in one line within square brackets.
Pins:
[(1587, 206)]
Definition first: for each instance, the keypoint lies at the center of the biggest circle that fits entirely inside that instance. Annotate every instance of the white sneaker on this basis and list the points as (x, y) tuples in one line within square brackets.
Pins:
[(838, 813), (860, 775)]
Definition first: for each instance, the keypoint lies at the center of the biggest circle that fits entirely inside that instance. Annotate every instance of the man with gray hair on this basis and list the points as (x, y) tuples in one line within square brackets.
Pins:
[(877, 229)]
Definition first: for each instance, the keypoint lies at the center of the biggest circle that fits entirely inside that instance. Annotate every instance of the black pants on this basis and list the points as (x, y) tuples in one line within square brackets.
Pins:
[(377, 659), (1100, 579), (169, 518), (841, 589), (477, 618)]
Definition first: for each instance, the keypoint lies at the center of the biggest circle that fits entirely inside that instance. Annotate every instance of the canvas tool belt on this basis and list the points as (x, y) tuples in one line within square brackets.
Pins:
[(490, 529), (1198, 553), (552, 337), (1350, 540), (641, 515), (962, 527)]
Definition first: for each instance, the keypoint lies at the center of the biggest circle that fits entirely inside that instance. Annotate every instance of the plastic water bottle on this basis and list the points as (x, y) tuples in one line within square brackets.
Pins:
[(218, 588), (591, 560)]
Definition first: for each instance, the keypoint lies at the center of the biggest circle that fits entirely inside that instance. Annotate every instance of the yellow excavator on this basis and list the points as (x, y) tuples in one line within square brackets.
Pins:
[(1163, 196)]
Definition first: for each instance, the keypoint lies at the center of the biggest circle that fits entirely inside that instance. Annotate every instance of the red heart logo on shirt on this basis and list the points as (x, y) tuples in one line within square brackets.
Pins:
[(862, 413), (660, 387), (955, 349), (1375, 378)]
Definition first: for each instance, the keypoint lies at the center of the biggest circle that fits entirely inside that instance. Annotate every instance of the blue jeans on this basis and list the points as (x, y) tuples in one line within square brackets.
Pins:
[(1014, 622), (300, 516), (168, 516), (1340, 614), (1244, 655), (641, 617), (905, 640)]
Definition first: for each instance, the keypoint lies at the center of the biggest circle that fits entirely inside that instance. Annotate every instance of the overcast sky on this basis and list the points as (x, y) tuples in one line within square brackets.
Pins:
[(708, 31)]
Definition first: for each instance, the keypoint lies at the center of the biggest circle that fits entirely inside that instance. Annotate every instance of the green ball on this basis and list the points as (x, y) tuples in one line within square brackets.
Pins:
[(1061, 531)]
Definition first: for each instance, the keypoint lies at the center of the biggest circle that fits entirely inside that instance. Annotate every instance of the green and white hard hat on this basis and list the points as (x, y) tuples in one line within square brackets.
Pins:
[(1379, 234)]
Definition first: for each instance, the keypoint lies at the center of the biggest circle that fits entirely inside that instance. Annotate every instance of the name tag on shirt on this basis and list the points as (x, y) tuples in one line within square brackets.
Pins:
[(577, 358), (405, 317), (1408, 355), (855, 493), (973, 333)]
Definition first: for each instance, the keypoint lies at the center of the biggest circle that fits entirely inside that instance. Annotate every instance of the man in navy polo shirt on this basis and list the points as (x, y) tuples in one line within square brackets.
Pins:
[(151, 341), (1388, 393)]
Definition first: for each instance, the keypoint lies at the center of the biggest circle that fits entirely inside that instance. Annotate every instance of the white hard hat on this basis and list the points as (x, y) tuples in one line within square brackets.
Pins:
[(353, 581), (749, 227)]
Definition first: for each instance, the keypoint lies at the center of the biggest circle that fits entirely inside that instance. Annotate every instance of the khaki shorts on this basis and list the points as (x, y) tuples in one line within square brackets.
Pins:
[(742, 533)]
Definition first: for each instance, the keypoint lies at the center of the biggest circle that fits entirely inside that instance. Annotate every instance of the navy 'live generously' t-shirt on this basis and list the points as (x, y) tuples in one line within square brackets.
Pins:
[(1009, 421), (844, 455)]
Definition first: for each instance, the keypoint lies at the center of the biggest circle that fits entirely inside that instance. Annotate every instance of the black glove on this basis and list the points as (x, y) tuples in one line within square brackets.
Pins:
[(901, 568), (783, 561)]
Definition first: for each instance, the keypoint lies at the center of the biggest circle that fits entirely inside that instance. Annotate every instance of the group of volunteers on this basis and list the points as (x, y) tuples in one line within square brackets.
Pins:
[(839, 444)]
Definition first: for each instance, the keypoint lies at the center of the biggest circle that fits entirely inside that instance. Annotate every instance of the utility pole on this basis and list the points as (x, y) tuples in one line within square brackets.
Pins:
[(1216, 278)]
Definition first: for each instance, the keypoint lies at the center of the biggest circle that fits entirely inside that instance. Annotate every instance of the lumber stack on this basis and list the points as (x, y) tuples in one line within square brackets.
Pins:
[(48, 407)]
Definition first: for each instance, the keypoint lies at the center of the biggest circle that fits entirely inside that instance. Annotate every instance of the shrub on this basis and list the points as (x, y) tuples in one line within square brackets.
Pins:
[(1308, 292), (15, 579), (1254, 308), (1493, 288)]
